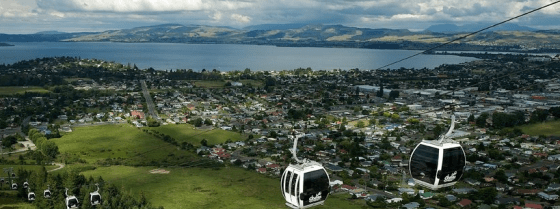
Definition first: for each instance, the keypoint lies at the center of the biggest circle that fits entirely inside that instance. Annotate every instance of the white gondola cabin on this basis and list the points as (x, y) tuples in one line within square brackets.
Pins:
[(438, 164), (71, 201), (305, 184), (30, 195), (14, 185), (95, 197), (25, 185), (47, 193)]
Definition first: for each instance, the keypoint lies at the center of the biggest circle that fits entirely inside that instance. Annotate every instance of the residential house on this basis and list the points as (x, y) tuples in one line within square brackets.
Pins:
[(464, 190), (407, 190), (553, 187), (533, 206), (464, 203), (554, 157), (451, 198), (411, 205), (547, 197), (527, 191), (506, 201)]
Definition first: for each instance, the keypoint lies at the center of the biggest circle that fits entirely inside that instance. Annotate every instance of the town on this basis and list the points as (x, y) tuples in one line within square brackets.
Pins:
[(361, 125)]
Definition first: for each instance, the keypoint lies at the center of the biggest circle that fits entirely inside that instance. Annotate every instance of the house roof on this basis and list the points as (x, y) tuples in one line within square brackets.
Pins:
[(464, 202), (534, 206)]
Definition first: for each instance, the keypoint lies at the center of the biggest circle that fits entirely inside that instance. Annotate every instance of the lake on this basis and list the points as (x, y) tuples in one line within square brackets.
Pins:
[(225, 57)]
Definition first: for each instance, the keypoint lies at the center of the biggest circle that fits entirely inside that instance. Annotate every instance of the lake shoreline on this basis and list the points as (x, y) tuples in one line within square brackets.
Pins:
[(227, 57)]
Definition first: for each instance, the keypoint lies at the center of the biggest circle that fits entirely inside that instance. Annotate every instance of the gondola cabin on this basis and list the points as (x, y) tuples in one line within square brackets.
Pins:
[(95, 197), (435, 165), (31, 196), (25, 185), (47, 193), (438, 163), (305, 185), (14, 185), (71, 201)]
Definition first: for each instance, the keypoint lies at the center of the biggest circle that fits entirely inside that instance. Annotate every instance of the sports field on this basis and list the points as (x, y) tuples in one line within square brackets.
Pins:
[(9, 90), (551, 128)]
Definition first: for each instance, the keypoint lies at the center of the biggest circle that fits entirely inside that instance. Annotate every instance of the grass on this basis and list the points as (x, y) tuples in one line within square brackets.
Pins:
[(9, 201), (95, 143), (204, 188), (551, 128), (70, 80), (254, 83), (10, 90), (187, 133), (210, 84)]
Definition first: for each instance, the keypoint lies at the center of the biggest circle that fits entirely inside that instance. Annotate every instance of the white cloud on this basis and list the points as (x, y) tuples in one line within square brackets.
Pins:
[(241, 18), (217, 16), (140, 5), (415, 14)]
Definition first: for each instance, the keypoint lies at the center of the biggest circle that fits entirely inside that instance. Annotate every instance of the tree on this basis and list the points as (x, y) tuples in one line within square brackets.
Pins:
[(204, 142), (438, 130), (380, 92), (471, 118), (9, 141), (501, 176), (394, 94), (360, 124), (481, 120)]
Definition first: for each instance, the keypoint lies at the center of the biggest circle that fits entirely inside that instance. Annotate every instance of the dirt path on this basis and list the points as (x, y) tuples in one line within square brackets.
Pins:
[(60, 166)]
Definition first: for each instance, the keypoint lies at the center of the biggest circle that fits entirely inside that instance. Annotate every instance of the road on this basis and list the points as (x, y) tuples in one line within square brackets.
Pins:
[(27, 144), (151, 106)]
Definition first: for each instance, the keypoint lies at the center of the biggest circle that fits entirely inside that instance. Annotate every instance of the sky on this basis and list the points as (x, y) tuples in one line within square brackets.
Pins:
[(30, 16)]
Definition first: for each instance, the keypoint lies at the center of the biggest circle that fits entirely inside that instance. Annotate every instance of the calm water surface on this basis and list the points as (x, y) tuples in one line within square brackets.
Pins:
[(226, 57)]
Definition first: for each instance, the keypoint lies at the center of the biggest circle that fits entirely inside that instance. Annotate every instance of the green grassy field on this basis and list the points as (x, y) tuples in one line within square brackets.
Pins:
[(210, 84), (70, 80), (9, 90), (187, 133), (195, 187), (547, 129), (205, 188), (95, 143), (254, 83)]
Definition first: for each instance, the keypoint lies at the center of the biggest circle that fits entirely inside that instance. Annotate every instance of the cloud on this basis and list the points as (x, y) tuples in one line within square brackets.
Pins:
[(140, 5), (241, 18), (411, 14)]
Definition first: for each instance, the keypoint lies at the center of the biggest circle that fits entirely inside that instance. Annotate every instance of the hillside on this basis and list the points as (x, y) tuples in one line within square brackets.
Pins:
[(509, 37), (505, 38)]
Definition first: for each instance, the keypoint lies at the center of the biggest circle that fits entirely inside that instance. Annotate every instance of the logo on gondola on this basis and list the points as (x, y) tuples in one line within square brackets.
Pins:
[(450, 177), (315, 198)]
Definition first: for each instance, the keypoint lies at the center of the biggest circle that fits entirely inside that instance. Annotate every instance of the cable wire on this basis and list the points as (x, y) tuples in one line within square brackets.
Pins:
[(468, 35)]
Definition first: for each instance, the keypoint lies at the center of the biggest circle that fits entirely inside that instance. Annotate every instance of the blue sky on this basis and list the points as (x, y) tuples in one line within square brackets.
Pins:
[(30, 16)]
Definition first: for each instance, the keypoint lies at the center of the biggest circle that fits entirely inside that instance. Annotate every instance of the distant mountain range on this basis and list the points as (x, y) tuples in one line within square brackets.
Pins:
[(508, 37)]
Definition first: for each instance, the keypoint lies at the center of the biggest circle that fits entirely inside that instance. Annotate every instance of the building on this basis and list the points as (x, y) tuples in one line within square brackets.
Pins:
[(464, 203)]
